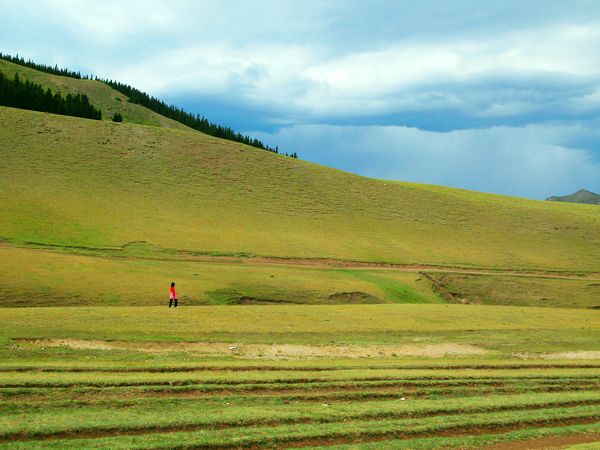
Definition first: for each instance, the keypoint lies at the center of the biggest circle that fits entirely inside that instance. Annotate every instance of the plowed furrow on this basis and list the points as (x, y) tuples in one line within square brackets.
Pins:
[(192, 369), (189, 427)]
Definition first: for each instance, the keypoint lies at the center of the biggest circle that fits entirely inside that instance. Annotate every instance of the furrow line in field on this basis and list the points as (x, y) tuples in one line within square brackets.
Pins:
[(366, 437), (263, 369), (336, 393), (98, 432), (423, 381)]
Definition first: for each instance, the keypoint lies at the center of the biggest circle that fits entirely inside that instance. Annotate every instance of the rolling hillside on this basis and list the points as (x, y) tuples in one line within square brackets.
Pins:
[(68, 181), (92, 211)]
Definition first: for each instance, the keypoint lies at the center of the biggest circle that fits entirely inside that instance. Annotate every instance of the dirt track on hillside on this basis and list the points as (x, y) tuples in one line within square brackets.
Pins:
[(186, 256)]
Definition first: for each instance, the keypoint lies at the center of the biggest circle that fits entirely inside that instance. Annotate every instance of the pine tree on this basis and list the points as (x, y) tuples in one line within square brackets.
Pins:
[(27, 95)]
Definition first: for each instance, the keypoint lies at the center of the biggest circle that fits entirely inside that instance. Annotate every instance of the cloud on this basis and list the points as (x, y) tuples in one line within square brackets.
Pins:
[(329, 61), (550, 72), (217, 68), (497, 96), (110, 19), (534, 161)]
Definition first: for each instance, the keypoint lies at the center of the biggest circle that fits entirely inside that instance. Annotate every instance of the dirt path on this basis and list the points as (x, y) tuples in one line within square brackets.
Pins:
[(187, 256), (553, 442)]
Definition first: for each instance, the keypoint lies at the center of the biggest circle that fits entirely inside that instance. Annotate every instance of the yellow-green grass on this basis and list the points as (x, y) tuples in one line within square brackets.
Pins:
[(44, 277), (103, 400), (101, 96), (116, 394), (229, 416), (501, 329), (587, 446), (105, 189), (33, 277), (96, 213), (67, 181), (530, 291)]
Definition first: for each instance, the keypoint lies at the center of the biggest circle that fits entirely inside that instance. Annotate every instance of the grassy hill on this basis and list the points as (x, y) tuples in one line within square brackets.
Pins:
[(68, 181), (129, 197), (101, 96), (125, 192)]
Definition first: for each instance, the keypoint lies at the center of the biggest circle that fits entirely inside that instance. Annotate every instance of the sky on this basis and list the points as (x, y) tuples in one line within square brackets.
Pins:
[(499, 97)]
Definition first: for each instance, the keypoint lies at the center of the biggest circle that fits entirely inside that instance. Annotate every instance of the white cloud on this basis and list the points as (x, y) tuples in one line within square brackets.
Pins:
[(399, 76), (404, 68), (112, 19), (213, 68), (330, 59)]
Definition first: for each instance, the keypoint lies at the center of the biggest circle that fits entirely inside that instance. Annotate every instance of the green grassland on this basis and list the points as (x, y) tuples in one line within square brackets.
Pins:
[(34, 277), (501, 329), (101, 96), (103, 216), (124, 195), (79, 397), (118, 203)]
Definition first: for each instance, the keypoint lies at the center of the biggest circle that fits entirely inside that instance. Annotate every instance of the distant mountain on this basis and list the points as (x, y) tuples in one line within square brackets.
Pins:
[(581, 196)]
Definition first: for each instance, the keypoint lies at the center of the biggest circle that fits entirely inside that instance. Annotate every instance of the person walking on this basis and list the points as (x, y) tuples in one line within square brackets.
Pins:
[(172, 295)]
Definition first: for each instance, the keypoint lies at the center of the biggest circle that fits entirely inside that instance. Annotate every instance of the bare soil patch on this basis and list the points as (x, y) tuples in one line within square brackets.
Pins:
[(269, 351), (573, 355), (354, 298)]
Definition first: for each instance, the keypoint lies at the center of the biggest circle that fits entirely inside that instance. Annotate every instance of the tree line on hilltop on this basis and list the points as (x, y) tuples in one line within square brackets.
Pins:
[(42, 68), (28, 95), (196, 122), (136, 96)]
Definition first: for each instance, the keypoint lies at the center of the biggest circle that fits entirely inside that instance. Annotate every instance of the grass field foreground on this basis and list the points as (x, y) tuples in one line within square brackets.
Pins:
[(502, 330), (73, 395)]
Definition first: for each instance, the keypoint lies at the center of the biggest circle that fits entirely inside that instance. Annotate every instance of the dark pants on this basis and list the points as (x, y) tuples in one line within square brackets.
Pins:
[(171, 302)]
